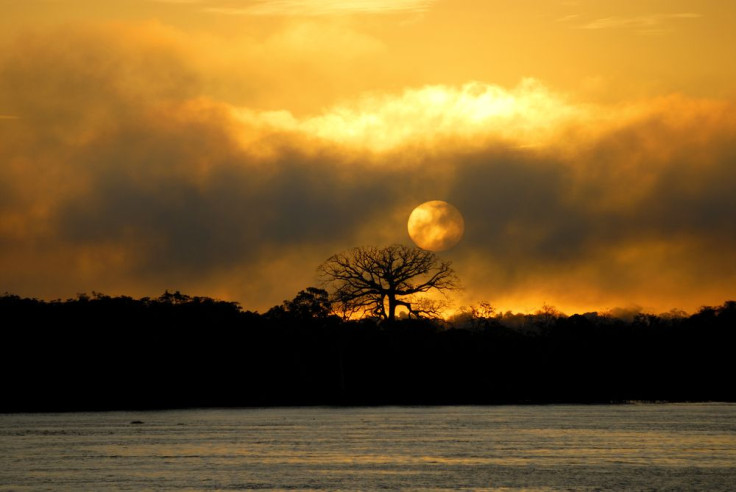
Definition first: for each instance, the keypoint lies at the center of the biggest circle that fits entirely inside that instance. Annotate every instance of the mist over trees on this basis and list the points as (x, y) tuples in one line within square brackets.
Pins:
[(101, 352)]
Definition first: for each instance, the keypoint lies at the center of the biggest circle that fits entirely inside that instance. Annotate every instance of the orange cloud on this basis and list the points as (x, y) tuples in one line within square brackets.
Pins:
[(646, 24), (123, 173), (321, 7)]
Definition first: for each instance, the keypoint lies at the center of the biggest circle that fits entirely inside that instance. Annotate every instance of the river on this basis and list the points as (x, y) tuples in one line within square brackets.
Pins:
[(508, 448)]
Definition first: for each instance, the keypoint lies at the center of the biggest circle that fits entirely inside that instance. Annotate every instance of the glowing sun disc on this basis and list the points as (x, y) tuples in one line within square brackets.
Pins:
[(436, 226)]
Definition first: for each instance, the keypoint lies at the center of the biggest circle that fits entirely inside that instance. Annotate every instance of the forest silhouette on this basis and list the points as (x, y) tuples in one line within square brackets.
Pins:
[(102, 353)]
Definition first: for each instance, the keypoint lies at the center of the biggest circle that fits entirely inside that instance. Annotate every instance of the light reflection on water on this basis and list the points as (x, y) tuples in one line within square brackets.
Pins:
[(669, 446)]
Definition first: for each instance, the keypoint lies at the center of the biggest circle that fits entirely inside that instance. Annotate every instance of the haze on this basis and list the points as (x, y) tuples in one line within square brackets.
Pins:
[(226, 148)]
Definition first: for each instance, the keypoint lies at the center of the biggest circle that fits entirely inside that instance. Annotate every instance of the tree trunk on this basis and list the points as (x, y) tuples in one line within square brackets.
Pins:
[(391, 307)]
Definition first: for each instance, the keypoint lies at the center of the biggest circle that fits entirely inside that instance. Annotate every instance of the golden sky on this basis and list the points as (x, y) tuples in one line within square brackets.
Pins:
[(228, 147)]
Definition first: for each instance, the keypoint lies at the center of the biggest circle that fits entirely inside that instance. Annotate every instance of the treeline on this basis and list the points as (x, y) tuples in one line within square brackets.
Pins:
[(100, 352)]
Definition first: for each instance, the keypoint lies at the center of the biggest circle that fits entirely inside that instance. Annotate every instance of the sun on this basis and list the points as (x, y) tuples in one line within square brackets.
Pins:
[(436, 225)]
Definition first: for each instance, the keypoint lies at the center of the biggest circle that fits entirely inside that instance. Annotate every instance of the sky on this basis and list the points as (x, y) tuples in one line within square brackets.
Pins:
[(226, 148)]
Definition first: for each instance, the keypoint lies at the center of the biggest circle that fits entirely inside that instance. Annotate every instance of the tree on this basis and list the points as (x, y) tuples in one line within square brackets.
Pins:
[(481, 315), (310, 303), (547, 315), (376, 281)]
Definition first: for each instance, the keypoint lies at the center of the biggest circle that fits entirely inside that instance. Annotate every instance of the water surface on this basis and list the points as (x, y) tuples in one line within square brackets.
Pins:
[(640, 447)]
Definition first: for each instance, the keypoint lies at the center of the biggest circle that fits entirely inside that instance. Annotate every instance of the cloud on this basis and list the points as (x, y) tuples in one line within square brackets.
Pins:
[(122, 175), (527, 115), (645, 24), (310, 7), (568, 18)]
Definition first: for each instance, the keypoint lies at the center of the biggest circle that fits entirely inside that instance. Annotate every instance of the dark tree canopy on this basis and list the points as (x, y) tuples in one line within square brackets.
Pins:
[(376, 281), (300, 355), (311, 303)]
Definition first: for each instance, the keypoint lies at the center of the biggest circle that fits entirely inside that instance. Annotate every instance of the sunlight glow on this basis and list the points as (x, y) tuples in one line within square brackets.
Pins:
[(436, 225), (473, 112)]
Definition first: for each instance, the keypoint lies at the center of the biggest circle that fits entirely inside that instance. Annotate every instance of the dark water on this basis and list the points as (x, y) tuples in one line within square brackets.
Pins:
[(626, 447)]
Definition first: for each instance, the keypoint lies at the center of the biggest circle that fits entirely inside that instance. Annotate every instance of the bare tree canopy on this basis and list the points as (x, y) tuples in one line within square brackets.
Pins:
[(376, 281)]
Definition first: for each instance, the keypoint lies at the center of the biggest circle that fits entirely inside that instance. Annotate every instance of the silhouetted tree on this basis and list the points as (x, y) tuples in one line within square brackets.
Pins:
[(547, 315), (309, 303), (174, 298), (376, 281), (228, 357)]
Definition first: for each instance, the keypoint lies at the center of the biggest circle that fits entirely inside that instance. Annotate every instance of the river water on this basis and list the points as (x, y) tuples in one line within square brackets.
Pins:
[(559, 447)]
